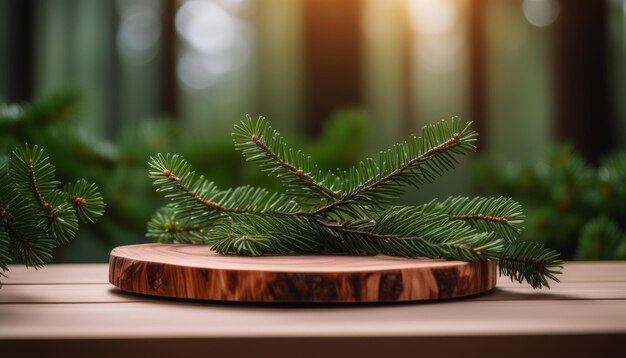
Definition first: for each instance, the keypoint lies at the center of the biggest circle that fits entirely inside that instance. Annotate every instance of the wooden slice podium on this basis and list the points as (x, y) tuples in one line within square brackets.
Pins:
[(196, 272)]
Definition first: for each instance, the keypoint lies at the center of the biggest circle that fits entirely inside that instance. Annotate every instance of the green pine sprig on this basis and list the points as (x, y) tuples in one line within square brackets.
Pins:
[(501, 215), (530, 262), (34, 177), (348, 211), (258, 142), (86, 200), (419, 160), (35, 214)]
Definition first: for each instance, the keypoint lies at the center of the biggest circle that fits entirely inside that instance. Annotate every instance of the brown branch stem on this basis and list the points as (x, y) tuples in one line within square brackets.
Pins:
[(207, 203), (33, 184), (299, 173), (366, 187), (51, 213), (498, 219)]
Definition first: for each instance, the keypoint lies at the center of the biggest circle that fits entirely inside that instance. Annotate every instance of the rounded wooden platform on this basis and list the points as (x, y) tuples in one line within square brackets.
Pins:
[(196, 272)]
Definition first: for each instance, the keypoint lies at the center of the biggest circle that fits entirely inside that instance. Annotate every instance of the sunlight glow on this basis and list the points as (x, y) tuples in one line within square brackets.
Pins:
[(434, 17)]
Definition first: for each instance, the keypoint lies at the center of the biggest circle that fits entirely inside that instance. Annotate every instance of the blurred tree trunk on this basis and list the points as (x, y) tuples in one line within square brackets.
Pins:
[(333, 58), (583, 115), (19, 70), (477, 69), (169, 88)]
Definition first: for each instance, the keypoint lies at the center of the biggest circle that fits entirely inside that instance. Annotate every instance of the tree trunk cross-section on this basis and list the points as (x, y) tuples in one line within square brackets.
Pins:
[(196, 272)]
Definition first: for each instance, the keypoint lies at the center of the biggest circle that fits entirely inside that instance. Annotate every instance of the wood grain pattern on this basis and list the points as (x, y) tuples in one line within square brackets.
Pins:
[(196, 272)]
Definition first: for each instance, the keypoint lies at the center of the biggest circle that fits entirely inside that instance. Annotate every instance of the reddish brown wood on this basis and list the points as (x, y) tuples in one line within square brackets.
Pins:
[(196, 272)]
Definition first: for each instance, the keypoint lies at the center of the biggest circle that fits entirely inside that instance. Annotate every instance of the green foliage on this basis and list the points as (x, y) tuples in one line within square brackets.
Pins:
[(530, 262), (347, 212), (601, 239), (86, 200), (259, 142), (501, 215), (571, 206), (58, 123), (35, 215), (21, 119), (415, 162)]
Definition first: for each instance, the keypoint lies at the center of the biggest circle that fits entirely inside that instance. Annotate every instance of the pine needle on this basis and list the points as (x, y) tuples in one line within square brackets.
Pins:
[(347, 212)]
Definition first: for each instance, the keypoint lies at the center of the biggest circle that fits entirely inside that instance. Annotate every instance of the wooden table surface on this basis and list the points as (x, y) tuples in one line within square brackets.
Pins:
[(72, 308)]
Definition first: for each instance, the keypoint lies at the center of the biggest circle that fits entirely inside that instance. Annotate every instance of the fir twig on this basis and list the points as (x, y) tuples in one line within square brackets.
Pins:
[(35, 215), (261, 143), (346, 212), (530, 262), (501, 215)]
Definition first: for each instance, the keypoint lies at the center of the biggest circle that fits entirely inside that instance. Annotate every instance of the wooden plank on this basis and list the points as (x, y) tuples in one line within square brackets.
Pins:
[(560, 291), (66, 293), (315, 347), (58, 274), (592, 271), (102, 293), (177, 319), (98, 273)]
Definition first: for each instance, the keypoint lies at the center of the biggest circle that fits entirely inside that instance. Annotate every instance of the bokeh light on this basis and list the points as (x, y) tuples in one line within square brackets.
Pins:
[(215, 41), (541, 13), (139, 30), (206, 26), (437, 42)]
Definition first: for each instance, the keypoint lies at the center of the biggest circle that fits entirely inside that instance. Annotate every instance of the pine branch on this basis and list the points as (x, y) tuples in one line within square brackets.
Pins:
[(5, 257), (444, 239), (32, 246), (34, 177), (501, 215), (18, 237), (428, 240), (22, 237), (201, 199), (86, 200), (530, 262), (59, 217), (35, 216), (346, 213), (259, 142), (20, 234), (476, 247), (415, 162), (256, 235), (167, 226), (5, 217), (173, 176), (32, 173)]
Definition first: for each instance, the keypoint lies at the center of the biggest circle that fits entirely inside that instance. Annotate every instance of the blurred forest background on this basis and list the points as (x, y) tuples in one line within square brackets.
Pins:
[(102, 85)]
